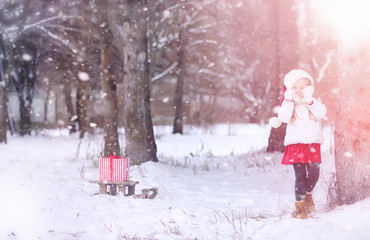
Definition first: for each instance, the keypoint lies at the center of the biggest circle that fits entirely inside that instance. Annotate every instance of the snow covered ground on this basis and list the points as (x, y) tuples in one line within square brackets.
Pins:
[(214, 183)]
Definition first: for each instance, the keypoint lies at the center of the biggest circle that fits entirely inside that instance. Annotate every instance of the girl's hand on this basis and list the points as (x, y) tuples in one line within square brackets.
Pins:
[(308, 94)]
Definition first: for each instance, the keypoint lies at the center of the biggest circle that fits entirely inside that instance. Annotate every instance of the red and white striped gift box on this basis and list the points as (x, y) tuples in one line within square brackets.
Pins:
[(114, 169)]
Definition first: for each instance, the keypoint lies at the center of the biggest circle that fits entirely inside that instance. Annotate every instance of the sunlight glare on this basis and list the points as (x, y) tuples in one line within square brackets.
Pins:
[(350, 18)]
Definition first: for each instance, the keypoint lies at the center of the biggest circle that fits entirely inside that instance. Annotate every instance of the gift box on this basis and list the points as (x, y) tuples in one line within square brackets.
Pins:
[(114, 169)]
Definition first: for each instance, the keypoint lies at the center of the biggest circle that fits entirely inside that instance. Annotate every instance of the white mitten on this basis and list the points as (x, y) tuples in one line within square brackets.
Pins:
[(289, 95), (308, 93), (275, 122), (297, 99)]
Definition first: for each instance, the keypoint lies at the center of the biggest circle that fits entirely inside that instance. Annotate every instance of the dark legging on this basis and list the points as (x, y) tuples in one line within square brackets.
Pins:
[(306, 177)]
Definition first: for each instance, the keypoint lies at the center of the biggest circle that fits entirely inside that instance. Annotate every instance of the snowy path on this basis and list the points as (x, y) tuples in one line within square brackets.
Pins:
[(203, 193)]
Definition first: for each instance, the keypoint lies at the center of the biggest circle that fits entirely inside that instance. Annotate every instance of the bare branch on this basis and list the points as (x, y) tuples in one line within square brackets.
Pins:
[(165, 72), (325, 66), (201, 42), (41, 22), (58, 39)]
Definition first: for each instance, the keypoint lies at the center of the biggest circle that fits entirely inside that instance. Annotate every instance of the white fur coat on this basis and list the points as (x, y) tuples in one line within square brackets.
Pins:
[(303, 129)]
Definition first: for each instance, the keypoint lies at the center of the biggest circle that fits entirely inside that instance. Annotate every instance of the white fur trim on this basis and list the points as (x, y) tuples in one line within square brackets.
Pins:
[(294, 75), (275, 122), (303, 129)]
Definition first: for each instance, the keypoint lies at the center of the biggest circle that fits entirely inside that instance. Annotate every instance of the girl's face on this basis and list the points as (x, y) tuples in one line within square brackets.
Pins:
[(299, 85)]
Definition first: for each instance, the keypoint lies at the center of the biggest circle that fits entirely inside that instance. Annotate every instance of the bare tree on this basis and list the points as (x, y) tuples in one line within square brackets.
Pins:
[(285, 41), (3, 107), (23, 61), (276, 138), (352, 128), (3, 115), (178, 122), (140, 142), (111, 143)]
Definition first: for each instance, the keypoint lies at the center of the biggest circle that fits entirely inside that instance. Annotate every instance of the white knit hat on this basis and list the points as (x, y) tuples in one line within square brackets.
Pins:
[(289, 80), (294, 75)]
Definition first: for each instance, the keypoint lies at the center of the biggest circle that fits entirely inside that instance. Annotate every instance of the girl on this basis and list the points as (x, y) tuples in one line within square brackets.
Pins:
[(303, 113)]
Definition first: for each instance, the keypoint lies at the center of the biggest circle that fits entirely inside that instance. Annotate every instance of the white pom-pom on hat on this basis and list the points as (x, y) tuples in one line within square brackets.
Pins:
[(294, 75), (275, 122)]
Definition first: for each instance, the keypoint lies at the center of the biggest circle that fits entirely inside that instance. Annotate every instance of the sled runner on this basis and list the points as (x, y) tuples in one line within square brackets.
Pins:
[(148, 193), (112, 188)]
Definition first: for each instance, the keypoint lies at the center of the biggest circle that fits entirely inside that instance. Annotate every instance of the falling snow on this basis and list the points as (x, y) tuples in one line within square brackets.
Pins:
[(83, 76), (26, 57)]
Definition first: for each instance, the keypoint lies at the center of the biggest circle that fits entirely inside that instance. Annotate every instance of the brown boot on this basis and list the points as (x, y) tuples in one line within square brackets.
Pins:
[(310, 205), (300, 210)]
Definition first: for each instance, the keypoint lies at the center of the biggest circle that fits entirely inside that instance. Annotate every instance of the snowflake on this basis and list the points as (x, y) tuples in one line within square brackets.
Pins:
[(348, 154), (83, 76)]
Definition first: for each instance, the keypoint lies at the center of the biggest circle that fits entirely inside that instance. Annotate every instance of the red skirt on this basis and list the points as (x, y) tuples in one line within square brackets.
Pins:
[(302, 153)]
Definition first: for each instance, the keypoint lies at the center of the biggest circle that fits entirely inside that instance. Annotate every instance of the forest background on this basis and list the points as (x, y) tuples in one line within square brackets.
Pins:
[(231, 56)]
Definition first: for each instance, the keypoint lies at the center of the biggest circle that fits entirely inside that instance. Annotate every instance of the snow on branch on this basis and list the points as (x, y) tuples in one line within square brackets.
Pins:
[(65, 28), (325, 66), (59, 39), (207, 71), (199, 7), (247, 92), (165, 72), (201, 42), (203, 28), (39, 23), (194, 3)]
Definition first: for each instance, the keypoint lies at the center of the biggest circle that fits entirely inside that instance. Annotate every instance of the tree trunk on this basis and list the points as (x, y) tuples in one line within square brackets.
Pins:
[(67, 90), (25, 115), (109, 86), (352, 130), (46, 105), (285, 40), (82, 103), (276, 84), (178, 123), (179, 92), (24, 80), (140, 142), (3, 117), (276, 138), (111, 143)]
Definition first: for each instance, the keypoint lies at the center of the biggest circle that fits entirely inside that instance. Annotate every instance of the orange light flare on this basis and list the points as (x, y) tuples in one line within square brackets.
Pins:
[(350, 18)]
